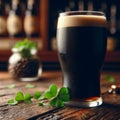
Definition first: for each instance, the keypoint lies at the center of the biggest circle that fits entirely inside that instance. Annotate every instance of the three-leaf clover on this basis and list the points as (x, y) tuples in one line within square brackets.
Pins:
[(19, 97), (51, 92), (54, 96), (57, 96), (62, 96)]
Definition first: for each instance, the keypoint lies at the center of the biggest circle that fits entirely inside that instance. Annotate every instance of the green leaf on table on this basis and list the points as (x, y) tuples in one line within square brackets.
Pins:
[(37, 95), (27, 96), (64, 94), (29, 86), (10, 86), (28, 101), (19, 97), (53, 96), (42, 97), (12, 102), (57, 96), (56, 102), (109, 78), (51, 92), (61, 97)]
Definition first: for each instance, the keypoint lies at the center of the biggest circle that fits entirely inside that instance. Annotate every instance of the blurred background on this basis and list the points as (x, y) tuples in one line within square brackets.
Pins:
[(37, 20)]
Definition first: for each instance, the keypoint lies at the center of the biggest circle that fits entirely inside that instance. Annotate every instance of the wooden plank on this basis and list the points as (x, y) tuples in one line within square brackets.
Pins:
[(23, 111), (110, 110), (104, 112), (107, 111)]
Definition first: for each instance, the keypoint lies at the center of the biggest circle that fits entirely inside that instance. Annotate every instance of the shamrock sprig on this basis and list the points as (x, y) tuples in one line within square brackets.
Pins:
[(54, 96), (57, 96), (25, 47), (20, 97)]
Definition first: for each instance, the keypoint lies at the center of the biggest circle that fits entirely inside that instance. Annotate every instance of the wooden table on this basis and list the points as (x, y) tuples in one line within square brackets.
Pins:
[(109, 110)]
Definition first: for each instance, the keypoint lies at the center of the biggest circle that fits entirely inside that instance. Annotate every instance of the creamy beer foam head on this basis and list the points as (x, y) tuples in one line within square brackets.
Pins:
[(72, 20)]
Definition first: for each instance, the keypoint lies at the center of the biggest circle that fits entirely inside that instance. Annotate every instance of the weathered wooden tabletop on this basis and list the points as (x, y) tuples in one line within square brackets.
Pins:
[(109, 110)]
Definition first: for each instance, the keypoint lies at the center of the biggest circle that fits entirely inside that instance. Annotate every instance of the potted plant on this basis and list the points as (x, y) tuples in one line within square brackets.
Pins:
[(24, 64)]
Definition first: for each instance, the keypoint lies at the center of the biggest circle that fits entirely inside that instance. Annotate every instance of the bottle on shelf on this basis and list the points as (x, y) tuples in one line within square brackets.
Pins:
[(3, 28), (31, 20), (81, 5), (112, 40), (90, 5), (73, 5), (103, 7), (109, 8), (14, 21), (113, 20), (118, 23)]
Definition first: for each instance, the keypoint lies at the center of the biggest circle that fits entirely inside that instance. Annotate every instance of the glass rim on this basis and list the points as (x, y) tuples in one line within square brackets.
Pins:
[(85, 12)]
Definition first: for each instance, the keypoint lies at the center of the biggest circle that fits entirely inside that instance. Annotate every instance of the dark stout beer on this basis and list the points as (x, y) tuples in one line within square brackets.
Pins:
[(81, 41)]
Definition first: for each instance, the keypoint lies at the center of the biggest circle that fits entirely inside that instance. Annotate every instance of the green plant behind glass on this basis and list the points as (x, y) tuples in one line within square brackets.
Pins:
[(25, 47)]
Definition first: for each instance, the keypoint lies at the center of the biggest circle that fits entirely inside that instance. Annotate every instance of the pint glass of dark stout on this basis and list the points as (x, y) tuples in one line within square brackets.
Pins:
[(81, 44)]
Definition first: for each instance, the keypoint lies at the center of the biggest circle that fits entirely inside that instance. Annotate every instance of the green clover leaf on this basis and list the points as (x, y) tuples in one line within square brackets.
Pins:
[(11, 86), (51, 92), (37, 95), (63, 94), (109, 78), (12, 102), (29, 86), (54, 96), (27, 96), (56, 102), (19, 97)]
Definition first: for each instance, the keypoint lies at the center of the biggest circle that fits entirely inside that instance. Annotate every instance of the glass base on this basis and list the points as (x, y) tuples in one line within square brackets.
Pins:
[(85, 103), (29, 79)]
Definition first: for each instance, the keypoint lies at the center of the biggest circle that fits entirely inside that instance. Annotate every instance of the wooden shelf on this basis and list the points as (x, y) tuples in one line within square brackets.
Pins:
[(51, 56), (45, 56), (112, 56), (43, 41)]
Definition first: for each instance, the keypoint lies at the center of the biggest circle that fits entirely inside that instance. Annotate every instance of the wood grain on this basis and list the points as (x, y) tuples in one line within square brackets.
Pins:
[(109, 110)]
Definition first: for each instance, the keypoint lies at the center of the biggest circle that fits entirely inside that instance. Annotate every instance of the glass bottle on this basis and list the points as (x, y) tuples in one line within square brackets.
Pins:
[(14, 21), (3, 28), (31, 23)]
